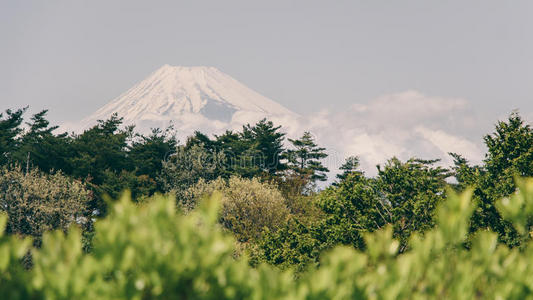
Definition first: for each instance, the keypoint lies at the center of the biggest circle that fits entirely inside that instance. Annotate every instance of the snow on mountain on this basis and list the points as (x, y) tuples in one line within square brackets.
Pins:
[(190, 98)]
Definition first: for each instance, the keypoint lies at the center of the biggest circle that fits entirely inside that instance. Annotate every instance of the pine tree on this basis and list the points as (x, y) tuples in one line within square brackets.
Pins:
[(237, 154), (268, 143), (350, 166), (147, 152), (9, 130), (39, 147), (305, 159)]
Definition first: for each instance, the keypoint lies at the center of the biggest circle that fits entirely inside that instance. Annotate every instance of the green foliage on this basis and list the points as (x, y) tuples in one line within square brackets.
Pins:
[(410, 192), (101, 148), (403, 195), (510, 149), (510, 154), (147, 153), (37, 202), (248, 206), (519, 208), (9, 130), (106, 156), (113, 183), (13, 277), (255, 151), (186, 167), (350, 166), (153, 252), (150, 252), (402, 234), (140, 253), (435, 267), (305, 158), (294, 246), (39, 147), (112, 158), (268, 142)]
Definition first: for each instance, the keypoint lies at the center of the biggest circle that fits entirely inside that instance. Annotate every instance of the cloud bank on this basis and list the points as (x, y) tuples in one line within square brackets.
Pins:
[(407, 124)]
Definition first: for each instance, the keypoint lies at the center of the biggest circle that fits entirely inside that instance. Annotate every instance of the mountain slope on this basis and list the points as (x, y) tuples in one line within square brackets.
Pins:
[(186, 97)]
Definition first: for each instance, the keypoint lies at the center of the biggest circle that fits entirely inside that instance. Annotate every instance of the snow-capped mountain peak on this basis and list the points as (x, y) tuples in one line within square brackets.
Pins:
[(186, 96)]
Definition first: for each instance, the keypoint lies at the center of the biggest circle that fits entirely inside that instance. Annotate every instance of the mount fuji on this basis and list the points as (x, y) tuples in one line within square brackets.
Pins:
[(407, 124), (189, 98)]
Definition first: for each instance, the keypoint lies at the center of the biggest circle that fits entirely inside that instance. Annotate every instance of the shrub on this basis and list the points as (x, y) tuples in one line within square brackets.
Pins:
[(152, 252), (13, 277), (248, 206), (148, 252), (36, 202)]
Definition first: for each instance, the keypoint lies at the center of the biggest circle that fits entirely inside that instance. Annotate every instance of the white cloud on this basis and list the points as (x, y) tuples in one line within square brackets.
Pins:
[(449, 143), (407, 124)]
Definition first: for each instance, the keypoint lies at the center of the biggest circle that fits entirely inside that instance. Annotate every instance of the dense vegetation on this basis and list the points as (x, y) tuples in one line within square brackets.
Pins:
[(415, 230)]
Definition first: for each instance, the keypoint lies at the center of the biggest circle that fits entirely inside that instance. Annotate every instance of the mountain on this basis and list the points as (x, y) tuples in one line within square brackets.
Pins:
[(190, 98)]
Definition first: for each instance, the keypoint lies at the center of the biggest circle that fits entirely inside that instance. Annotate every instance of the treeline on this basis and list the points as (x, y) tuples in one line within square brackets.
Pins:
[(267, 185), (110, 157)]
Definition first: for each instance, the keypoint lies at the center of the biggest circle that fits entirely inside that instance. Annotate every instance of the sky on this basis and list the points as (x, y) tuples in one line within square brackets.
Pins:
[(442, 70)]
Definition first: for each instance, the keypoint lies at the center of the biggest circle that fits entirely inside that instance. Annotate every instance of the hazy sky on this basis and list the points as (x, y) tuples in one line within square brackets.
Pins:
[(72, 57)]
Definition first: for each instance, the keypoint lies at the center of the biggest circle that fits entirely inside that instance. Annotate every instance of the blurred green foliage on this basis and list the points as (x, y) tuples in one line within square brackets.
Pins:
[(151, 251)]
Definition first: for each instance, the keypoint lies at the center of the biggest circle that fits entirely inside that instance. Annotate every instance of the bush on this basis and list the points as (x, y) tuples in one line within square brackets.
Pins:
[(13, 277), (149, 252), (152, 252), (36, 202), (248, 206)]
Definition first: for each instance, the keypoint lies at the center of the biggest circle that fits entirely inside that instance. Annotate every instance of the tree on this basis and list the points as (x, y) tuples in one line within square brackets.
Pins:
[(465, 174), (404, 196), (100, 148), (199, 138), (100, 155), (237, 153), (39, 146), (348, 210), (304, 159), (186, 167), (9, 131), (510, 150), (268, 141), (411, 191), (147, 153), (240, 156), (255, 151), (509, 155), (350, 166)]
